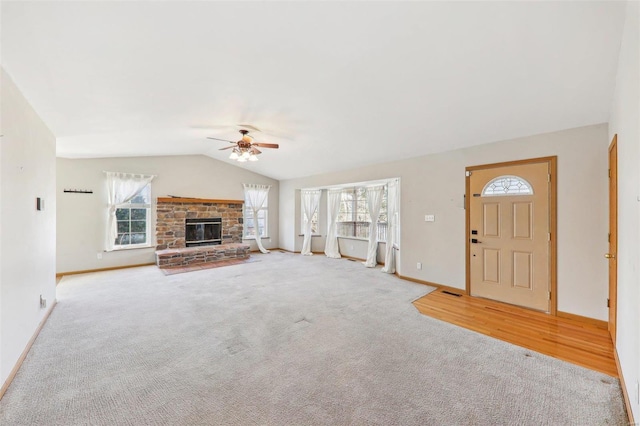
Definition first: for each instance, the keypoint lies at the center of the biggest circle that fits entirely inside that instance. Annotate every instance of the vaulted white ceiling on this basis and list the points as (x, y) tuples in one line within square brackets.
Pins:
[(337, 84)]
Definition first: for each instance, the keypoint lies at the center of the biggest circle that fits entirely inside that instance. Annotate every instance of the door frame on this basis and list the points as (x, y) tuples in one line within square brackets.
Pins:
[(553, 222), (613, 238)]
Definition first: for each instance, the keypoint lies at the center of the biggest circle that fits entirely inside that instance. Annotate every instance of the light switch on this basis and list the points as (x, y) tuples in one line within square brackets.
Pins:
[(429, 218)]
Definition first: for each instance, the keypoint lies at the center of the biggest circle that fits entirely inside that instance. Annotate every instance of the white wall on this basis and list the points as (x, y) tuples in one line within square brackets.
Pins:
[(27, 247), (625, 115), (82, 217), (435, 184)]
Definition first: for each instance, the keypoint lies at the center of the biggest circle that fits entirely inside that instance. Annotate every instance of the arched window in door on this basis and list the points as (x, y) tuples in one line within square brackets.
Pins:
[(507, 185)]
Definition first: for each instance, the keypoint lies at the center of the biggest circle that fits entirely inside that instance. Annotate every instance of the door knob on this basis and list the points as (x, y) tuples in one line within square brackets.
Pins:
[(610, 256)]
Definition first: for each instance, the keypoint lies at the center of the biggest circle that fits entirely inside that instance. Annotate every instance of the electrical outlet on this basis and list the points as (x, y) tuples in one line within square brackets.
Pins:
[(419, 266), (99, 255), (43, 302), (429, 218)]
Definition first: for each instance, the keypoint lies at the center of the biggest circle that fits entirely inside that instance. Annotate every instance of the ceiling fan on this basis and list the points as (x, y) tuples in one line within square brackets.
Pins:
[(245, 149)]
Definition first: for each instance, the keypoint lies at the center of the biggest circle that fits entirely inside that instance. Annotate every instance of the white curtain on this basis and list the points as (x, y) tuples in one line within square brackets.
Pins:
[(374, 203), (310, 202), (392, 227), (121, 187), (255, 196), (331, 248)]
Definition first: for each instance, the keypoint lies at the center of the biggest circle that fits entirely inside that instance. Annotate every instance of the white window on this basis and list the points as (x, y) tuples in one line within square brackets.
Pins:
[(133, 220), (262, 222), (354, 218)]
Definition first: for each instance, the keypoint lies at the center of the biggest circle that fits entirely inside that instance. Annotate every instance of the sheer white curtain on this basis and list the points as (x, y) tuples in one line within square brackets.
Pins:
[(392, 227), (255, 196), (374, 203), (331, 248), (121, 187), (310, 202)]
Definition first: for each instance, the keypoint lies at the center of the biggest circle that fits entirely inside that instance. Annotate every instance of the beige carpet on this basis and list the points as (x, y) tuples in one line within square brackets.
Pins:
[(290, 340)]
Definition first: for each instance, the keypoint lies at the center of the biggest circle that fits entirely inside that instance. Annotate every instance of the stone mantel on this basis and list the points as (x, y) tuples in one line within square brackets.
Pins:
[(196, 200)]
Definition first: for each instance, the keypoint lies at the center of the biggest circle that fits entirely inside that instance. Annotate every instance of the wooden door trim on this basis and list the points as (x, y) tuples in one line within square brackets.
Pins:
[(613, 229), (552, 161)]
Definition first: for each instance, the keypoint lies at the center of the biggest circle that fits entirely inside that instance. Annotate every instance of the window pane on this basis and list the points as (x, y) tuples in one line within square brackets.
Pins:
[(138, 226), (362, 214), (362, 229), (139, 214), (346, 205), (346, 229), (138, 238), (382, 231), (248, 223), (507, 185), (122, 239), (122, 214), (260, 230), (123, 227), (314, 223), (383, 209)]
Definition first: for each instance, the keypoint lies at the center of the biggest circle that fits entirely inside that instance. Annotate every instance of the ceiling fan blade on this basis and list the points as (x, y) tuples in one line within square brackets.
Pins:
[(228, 147), (216, 139), (266, 145), (255, 150)]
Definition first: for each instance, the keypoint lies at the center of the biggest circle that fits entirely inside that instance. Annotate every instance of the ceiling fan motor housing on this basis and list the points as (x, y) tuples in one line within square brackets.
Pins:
[(246, 140)]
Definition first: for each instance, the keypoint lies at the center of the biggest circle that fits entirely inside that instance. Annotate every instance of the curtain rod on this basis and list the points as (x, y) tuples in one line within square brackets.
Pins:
[(351, 185)]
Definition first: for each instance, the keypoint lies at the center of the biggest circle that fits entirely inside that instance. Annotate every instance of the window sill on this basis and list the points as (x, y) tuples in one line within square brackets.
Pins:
[(312, 236), (133, 247), (358, 239), (253, 238)]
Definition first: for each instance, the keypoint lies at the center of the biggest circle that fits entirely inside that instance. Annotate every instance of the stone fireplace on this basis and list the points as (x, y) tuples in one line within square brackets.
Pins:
[(172, 215), (193, 230)]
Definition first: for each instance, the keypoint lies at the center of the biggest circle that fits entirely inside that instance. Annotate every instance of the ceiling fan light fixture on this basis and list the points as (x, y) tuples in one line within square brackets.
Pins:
[(245, 149)]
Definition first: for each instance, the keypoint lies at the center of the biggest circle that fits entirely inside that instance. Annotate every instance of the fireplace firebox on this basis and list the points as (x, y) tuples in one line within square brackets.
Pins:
[(203, 232)]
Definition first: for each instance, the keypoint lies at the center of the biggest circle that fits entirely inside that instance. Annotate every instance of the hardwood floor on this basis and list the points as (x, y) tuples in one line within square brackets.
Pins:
[(587, 345)]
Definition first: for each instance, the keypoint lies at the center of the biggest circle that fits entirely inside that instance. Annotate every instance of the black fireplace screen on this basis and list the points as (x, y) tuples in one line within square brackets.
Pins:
[(203, 232)]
